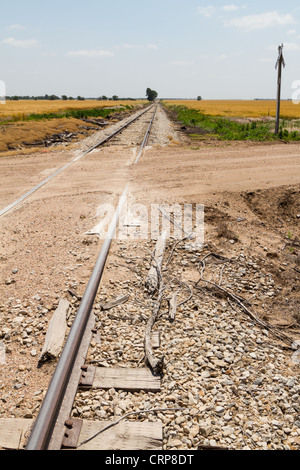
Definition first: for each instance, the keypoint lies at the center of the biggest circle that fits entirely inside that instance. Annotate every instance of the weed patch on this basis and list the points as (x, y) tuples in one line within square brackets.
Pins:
[(200, 126), (67, 114)]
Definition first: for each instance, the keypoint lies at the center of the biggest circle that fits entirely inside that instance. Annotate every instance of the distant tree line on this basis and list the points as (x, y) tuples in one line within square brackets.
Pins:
[(65, 98), (44, 97)]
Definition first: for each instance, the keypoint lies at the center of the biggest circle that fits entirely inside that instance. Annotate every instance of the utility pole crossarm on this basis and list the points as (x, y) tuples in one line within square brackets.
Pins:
[(280, 59)]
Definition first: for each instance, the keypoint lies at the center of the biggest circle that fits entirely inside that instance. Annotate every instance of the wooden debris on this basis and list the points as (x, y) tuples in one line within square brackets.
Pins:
[(155, 339), (172, 306), (56, 333), (97, 122), (114, 303), (153, 279), (154, 283), (63, 137), (2, 353), (204, 447), (242, 305), (156, 364), (73, 293)]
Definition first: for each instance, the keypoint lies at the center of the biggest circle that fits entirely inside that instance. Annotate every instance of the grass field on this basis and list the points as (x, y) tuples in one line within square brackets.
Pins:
[(240, 108), (20, 110)]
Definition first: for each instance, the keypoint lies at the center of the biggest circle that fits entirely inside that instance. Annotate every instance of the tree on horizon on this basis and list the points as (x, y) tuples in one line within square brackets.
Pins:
[(151, 94)]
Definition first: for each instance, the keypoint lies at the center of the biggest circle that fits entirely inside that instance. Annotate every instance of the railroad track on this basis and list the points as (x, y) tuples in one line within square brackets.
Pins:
[(205, 360), (54, 429), (101, 143)]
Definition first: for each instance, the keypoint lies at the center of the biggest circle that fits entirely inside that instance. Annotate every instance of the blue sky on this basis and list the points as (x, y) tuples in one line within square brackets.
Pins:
[(182, 49)]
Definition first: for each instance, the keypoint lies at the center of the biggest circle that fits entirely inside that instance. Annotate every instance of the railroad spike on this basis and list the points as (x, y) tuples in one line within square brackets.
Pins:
[(69, 424)]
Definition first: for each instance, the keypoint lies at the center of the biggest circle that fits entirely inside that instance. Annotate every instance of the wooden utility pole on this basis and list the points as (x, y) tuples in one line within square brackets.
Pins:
[(280, 62)]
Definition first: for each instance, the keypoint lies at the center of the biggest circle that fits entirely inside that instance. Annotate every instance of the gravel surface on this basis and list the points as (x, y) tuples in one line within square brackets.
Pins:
[(236, 385), (163, 132)]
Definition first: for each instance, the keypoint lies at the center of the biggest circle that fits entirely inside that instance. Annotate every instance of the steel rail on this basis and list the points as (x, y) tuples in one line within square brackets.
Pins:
[(146, 136), (44, 424), (49, 178)]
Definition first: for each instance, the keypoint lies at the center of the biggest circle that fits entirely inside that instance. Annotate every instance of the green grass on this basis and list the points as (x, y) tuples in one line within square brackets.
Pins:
[(228, 129)]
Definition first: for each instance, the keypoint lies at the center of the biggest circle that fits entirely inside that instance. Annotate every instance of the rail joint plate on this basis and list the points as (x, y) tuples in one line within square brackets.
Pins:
[(87, 377), (72, 433)]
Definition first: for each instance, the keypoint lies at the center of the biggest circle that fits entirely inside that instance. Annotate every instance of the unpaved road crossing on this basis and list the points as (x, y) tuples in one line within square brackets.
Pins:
[(238, 384)]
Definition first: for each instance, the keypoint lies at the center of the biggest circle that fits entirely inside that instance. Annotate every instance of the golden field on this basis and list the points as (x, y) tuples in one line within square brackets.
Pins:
[(240, 108), (19, 109)]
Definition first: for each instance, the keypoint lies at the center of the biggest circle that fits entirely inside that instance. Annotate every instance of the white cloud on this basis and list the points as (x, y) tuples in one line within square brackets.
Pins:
[(222, 57), (132, 46), (90, 54), (291, 46), (267, 60), (136, 46), (262, 21), (49, 54), (230, 7), (207, 12), (16, 26), (180, 63), (20, 42), (210, 10)]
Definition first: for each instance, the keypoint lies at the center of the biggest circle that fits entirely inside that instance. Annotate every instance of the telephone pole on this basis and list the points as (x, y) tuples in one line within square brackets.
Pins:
[(280, 62)]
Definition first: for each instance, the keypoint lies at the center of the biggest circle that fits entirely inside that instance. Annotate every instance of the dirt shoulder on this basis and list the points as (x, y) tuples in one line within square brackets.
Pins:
[(251, 198)]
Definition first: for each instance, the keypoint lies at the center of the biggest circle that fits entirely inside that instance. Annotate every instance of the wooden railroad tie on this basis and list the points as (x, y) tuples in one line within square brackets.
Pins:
[(127, 379), (124, 436)]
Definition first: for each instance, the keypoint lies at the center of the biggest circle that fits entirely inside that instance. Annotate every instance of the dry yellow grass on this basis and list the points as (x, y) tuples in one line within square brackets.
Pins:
[(15, 134), (21, 108), (240, 108)]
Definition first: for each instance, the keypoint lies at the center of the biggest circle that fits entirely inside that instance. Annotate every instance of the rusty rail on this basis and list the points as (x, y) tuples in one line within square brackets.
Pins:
[(44, 425), (146, 136)]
